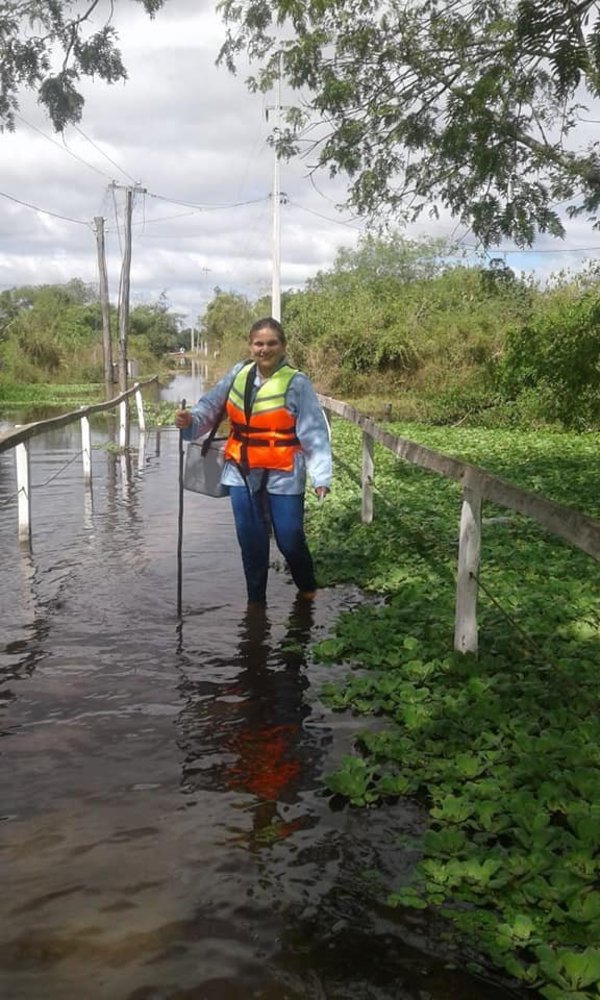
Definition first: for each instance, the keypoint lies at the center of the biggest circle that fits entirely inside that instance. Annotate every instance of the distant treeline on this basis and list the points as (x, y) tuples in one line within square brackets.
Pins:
[(394, 321), (53, 334), (402, 322)]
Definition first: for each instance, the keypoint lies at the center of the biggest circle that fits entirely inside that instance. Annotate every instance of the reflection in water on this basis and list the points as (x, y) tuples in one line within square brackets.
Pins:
[(141, 451), (264, 750), (125, 466), (24, 654), (188, 386), (88, 507)]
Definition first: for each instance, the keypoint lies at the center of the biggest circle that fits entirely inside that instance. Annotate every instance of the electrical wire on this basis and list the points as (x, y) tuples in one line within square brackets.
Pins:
[(165, 218), (311, 211), (497, 250), (63, 146), (44, 211), (102, 153), (206, 207)]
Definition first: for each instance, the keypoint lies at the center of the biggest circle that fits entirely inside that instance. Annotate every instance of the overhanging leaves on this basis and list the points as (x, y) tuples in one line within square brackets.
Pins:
[(465, 106)]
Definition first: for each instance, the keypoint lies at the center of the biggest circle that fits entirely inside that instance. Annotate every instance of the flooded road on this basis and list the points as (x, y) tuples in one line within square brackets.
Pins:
[(164, 829)]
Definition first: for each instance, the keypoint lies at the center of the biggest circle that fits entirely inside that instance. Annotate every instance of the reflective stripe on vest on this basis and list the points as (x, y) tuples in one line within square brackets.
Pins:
[(267, 440)]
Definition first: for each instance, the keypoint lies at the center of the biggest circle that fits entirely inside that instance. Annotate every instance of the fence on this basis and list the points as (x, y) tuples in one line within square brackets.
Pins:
[(20, 437), (579, 530)]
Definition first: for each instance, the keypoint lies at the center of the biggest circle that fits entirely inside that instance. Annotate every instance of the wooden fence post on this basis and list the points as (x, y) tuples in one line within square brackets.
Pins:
[(366, 512), (24, 493), (465, 623)]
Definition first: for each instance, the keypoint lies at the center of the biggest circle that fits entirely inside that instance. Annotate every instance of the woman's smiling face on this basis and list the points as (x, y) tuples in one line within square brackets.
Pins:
[(267, 349)]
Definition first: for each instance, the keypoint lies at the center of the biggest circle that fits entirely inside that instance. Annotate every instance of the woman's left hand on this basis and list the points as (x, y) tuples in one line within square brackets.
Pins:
[(322, 491)]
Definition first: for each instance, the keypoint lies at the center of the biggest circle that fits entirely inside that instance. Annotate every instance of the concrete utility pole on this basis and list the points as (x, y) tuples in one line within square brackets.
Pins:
[(278, 200), (104, 306), (196, 342), (276, 277)]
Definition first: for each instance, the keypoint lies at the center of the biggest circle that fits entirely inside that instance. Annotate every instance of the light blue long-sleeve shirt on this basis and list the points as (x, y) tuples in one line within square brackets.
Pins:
[(312, 431)]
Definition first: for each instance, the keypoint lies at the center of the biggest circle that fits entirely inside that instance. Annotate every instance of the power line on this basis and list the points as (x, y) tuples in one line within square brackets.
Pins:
[(494, 250), (205, 207), (165, 218), (340, 222), (321, 194), (63, 146), (102, 153), (44, 211)]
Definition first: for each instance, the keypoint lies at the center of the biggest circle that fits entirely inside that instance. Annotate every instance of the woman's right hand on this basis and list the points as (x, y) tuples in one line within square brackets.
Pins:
[(183, 419)]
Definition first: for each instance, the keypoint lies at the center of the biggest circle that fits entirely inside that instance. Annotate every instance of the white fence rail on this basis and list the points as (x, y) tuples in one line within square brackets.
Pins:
[(578, 529), (20, 437)]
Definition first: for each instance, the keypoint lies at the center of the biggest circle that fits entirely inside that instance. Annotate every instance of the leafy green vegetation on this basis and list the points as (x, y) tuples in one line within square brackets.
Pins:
[(48, 48), (423, 106), (406, 323), (226, 322), (50, 335), (395, 325), (395, 314), (503, 750), (552, 365), (14, 396)]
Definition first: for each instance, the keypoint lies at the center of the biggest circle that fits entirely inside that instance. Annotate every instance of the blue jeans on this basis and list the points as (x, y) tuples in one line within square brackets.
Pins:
[(251, 514)]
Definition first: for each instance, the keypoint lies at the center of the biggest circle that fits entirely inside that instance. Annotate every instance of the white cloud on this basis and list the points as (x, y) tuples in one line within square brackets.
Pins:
[(188, 131)]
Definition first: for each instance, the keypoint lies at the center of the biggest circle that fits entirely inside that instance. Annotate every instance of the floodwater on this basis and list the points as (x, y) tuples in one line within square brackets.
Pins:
[(164, 828)]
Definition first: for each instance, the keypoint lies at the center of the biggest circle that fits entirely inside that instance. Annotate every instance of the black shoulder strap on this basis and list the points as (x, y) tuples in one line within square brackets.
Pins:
[(208, 440), (248, 389)]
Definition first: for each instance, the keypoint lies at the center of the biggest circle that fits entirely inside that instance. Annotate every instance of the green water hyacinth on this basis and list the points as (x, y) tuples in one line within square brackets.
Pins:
[(503, 750)]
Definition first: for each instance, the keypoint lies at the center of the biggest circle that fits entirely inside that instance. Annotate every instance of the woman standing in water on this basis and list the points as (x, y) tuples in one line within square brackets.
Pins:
[(277, 434)]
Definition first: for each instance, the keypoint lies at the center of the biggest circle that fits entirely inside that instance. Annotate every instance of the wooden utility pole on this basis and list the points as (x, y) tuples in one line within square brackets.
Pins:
[(104, 305), (124, 291), (124, 310), (124, 283)]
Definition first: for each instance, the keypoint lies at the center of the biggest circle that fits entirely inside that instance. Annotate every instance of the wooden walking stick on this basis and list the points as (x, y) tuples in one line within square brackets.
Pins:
[(180, 521)]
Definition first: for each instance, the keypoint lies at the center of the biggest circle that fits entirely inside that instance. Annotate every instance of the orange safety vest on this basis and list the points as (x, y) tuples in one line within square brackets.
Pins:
[(262, 436)]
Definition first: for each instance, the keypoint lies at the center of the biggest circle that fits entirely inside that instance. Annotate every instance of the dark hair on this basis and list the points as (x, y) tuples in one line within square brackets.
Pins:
[(268, 323)]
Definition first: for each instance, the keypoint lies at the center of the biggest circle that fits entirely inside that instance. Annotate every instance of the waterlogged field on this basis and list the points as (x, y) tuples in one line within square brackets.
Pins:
[(503, 749)]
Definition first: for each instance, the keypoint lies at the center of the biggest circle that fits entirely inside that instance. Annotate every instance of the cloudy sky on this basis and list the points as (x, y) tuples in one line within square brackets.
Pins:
[(192, 136)]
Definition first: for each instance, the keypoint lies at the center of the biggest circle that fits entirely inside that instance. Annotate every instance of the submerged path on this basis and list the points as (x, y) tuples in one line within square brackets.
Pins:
[(164, 830)]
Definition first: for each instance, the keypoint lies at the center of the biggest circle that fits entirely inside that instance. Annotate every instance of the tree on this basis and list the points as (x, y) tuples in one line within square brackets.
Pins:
[(160, 328), (227, 318), (466, 105), (379, 259), (47, 331), (48, 45)]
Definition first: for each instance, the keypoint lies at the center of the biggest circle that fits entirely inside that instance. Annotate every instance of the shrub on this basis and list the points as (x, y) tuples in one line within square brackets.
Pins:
[(551, 366)]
